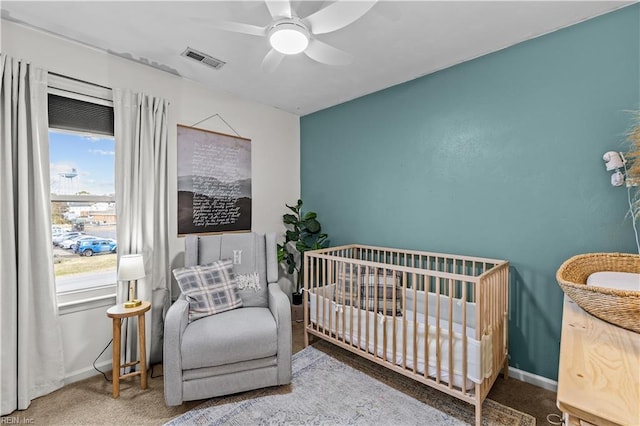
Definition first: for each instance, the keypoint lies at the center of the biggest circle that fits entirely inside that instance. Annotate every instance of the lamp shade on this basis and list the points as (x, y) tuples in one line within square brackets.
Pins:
[(131, 267)]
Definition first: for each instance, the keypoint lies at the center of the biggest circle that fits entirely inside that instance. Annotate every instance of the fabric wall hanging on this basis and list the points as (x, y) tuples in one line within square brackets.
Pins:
[(214, 182)]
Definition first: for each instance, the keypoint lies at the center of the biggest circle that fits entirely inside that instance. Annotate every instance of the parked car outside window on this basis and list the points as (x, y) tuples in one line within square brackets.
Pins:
[(67, 244), (67, 235), (89, 247)]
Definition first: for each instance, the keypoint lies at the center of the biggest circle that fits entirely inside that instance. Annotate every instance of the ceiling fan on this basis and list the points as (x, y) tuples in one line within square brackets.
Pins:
[(289, 35)]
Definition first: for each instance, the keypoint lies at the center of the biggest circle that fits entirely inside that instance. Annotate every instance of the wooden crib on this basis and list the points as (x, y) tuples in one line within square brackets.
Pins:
[(436, 318)]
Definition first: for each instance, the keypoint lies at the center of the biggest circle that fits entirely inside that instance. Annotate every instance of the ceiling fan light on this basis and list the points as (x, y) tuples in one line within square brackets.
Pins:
[(289, 39)]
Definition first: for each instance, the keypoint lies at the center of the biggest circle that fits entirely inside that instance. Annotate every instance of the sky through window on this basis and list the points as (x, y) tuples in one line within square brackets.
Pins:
[(81, 163)]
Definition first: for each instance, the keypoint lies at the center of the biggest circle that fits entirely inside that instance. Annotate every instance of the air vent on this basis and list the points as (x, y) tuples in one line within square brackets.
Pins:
[(204, 58)]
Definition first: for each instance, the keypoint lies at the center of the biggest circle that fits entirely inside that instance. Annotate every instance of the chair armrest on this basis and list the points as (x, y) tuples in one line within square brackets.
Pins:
[(281, 310), (175, 323), (271, 247)]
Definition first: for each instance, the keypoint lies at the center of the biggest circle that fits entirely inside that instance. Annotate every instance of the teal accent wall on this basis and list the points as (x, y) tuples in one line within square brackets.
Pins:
[(497, 157)]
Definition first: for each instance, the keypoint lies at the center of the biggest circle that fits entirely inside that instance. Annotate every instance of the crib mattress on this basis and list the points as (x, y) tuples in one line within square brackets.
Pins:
[(353, 325)]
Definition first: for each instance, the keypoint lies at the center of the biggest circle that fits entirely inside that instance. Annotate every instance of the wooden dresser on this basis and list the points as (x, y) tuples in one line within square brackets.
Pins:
[(599, 371)]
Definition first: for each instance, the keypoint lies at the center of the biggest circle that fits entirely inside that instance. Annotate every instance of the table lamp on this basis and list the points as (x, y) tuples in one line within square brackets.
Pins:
[(131, 269)]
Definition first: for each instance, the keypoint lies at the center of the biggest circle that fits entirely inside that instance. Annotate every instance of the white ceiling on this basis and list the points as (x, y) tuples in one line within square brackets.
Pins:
[(396, 41)]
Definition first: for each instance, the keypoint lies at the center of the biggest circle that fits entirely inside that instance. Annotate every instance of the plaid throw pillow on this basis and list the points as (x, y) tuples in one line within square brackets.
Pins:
[(377, 293), (209, 289), (354, 282), (348, 288)]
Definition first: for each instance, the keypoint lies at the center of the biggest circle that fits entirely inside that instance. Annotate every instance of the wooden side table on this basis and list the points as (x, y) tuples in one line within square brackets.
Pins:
[(117, 313)]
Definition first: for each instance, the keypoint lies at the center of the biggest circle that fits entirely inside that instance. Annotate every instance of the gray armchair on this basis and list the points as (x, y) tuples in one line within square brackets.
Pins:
[(237, 350)]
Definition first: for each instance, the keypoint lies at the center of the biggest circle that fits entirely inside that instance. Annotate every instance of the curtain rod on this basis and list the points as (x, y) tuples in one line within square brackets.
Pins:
[(79, 80)]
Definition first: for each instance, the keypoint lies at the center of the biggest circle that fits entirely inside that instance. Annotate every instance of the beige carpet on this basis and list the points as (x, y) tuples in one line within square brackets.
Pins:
[(89, 402)]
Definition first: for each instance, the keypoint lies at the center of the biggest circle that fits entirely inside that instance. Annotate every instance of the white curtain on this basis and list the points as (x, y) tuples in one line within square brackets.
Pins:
[(141, 199), (31, 362)]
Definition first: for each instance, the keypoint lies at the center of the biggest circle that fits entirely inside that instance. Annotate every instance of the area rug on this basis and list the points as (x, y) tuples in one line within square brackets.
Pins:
[(330, 386)]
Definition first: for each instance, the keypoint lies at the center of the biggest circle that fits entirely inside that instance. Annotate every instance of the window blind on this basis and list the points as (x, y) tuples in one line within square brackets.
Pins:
[(80, 116)]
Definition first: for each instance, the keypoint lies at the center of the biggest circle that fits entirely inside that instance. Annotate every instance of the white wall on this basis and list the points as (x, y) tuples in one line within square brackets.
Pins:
[(274, 134)]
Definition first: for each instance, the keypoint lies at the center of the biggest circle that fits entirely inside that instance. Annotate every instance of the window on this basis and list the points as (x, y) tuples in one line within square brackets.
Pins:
[(82, 169)]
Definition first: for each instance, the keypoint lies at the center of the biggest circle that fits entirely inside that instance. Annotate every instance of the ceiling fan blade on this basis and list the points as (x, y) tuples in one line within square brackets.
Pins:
[(271, 60), (326, 54), (337, 15), (279, 8), (238, 27)]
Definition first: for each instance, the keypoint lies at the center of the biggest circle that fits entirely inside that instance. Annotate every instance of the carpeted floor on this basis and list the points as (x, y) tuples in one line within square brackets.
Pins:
[(89, 402)]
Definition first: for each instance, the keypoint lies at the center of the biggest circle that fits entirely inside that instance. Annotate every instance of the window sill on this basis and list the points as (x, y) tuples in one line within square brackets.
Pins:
[(85, 299)]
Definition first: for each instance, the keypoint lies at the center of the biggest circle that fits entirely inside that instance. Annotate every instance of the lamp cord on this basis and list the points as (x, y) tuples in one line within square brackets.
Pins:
[(126, 323), (95, 360)]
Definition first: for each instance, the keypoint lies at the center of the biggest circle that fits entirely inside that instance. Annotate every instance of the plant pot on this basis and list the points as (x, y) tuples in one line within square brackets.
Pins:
[(296, 298)]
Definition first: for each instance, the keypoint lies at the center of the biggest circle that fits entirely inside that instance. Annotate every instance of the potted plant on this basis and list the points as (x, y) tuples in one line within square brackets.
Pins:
[(304, 233)]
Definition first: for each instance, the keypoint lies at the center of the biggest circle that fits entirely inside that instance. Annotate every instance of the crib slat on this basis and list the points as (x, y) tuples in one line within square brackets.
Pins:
[(394, 342), (427, 335), (385, 337), (376, 283), (450, 319), (366, 318), (317, 271), (307, 273), (358, 277), (353, 274), (352, 320), (464, 338), (438, 351), (305, 304), (415, 324), (404, 329)]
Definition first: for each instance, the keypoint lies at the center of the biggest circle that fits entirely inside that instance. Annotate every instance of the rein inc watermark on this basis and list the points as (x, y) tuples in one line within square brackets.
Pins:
[(17, 420)]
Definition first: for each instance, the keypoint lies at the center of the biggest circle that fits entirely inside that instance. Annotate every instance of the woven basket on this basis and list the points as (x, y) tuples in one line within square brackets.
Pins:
[(618, 307)]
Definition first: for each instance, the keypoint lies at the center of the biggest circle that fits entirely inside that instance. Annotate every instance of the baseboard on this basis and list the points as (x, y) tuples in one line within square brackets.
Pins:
[(533, 379), (525, 376), (85, 373)]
